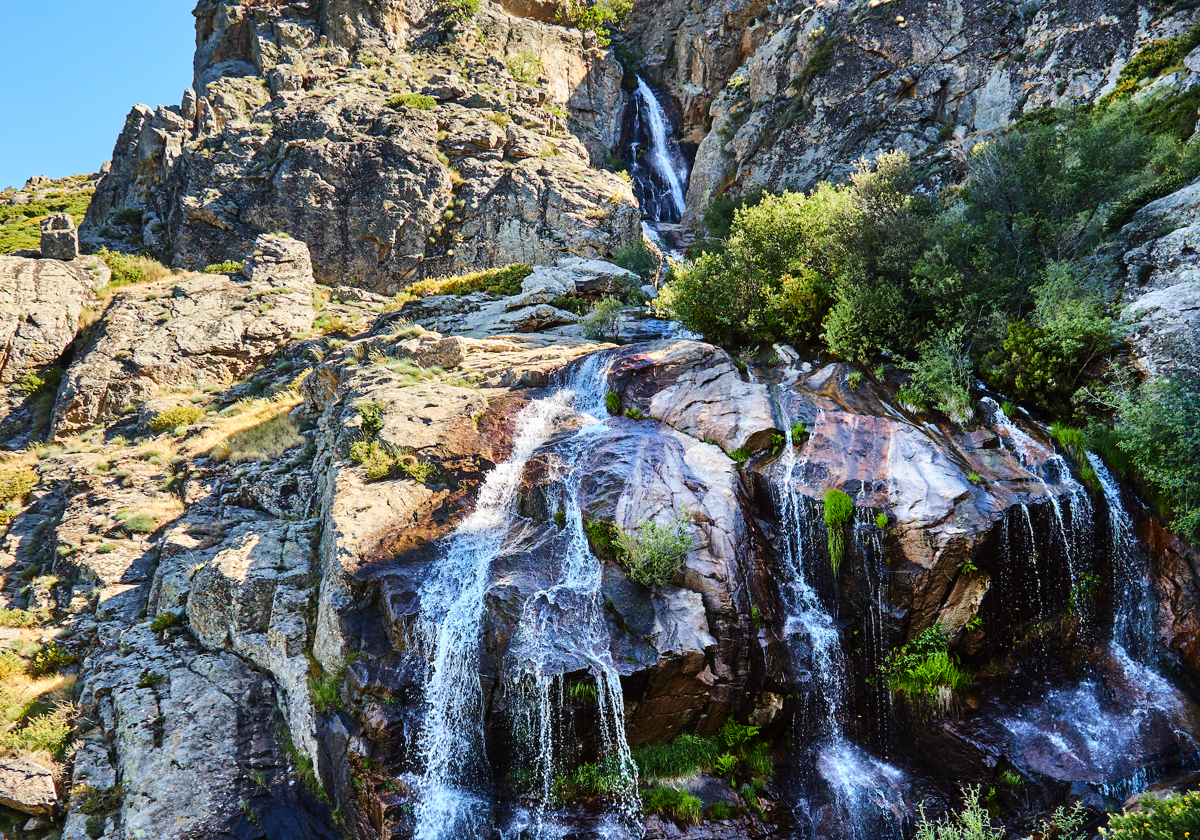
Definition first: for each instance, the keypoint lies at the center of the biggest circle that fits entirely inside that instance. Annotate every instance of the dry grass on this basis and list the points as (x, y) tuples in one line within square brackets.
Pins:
[(260, 430)]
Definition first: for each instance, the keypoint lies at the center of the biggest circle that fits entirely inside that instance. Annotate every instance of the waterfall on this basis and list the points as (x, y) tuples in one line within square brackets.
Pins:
[(1133, 598), (661, 185), (860, 783), (562, 629), (454, 770)]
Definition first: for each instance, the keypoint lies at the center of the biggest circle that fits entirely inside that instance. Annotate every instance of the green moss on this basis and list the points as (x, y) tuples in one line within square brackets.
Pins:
[(612, 401)]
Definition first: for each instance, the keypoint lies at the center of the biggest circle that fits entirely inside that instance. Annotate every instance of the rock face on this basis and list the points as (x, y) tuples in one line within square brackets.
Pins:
[(781, 96), (179, 335), (42, 304), (27, 787), (391, 165), (1162, 281)]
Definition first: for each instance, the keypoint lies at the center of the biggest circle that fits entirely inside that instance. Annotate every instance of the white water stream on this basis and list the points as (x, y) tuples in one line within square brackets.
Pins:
[(451, 788)]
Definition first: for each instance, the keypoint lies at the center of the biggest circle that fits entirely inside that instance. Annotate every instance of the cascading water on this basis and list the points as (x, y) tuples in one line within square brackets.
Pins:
[(659, 171), (860, 784), (562, 630), (1133, 599), (454, 777)]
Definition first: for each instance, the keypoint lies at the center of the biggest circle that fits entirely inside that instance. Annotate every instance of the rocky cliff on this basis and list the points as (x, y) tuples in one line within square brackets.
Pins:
[(289, 557), (397, 143), (779, 95)]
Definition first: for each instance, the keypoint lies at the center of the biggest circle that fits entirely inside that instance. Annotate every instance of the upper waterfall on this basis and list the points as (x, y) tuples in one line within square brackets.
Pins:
[(659, 171)]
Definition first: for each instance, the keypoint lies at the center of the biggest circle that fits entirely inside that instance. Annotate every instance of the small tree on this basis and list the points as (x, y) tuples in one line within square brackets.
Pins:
[(603, 323)]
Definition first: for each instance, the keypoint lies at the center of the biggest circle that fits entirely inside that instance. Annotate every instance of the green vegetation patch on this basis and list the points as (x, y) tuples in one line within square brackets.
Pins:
[(925, 674), (21, 225)]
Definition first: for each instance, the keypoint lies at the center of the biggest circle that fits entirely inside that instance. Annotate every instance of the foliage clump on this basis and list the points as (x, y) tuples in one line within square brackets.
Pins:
[(175, 417), (685, 756), (654, 553), (416, 101), (525, 66), (1176, 816), (676, 804), (495, 281), (16, 485), (227, 267), (839, 509), (925, 674), (131, 270), (603, 323)]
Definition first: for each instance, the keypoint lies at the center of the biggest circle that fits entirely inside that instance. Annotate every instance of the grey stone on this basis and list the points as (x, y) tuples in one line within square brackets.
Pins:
[(60, 239)]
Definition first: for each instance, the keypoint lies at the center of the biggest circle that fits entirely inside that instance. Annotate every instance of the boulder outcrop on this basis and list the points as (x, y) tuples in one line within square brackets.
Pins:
[(181, 334)]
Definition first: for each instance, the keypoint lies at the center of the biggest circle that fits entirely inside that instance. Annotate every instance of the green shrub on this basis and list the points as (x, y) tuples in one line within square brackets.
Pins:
[(16, 485), (33, 384), (634, 414), (416, 101), (1177, 816), (149, 679), (654, 554), (685, 756), (675, 804), (49, 732), (944, 372), (925, 674), (603, 323), (458, 9), (881, 521), (23, 618), (636, 256), (176, 416), (162, 621), (371, 416), (227, 267), (602, 536), (612, 401), (719, 811), (129, 270), (526, 66), (1153, 60), (1158, 429), (839, 510), (974, 822), (51, 659)]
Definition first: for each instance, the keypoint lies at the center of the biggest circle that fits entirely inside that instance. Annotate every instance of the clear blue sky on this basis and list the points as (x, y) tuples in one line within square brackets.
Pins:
[(70, 70)]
